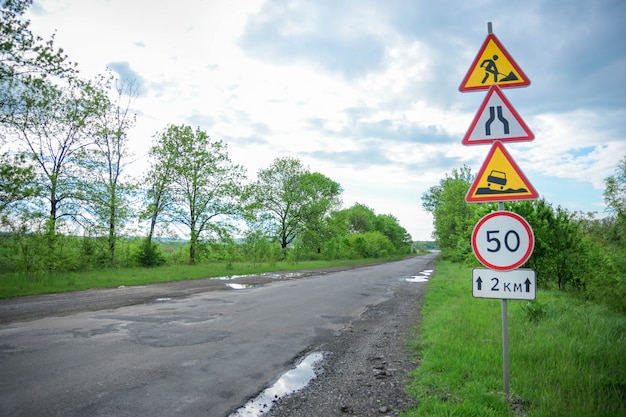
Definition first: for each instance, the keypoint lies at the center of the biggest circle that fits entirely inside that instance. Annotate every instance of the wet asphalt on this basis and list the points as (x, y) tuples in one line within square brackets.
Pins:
[(201, 354)]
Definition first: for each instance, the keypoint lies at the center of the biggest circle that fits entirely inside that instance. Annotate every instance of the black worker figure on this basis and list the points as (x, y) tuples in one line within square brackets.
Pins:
[(490, 68)]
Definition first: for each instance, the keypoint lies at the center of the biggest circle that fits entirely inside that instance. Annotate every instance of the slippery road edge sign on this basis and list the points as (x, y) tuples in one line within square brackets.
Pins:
[(497, 120), (500, 179), (519, 284), (493, 65), (503, 240)]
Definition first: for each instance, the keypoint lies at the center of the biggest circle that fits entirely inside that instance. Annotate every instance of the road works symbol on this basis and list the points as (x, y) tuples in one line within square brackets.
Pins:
[(493, 65), (502, 240), (500, 179), (519, 284), (497, 120)]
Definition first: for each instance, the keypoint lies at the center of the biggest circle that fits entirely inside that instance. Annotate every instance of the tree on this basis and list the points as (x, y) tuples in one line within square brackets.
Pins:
[(158, 194), (454, 219), (559, 255), (389, 226), (107, 157), (17, 180), (204, 185), (361, 218), (291, 200), (615, 199), (24, 57), (56, 127)]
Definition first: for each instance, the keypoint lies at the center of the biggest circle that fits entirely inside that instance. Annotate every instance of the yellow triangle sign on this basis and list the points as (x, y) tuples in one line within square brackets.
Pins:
[(493, 65), (500, 179)]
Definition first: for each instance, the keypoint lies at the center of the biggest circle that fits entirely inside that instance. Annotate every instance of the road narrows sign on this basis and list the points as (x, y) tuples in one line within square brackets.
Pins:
[(519, 284), (497, 120), (493, 65), (500, 179), (502, 240)]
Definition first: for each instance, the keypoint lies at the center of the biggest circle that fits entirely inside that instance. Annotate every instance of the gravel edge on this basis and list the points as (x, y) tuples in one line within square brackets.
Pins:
[(367, 364)]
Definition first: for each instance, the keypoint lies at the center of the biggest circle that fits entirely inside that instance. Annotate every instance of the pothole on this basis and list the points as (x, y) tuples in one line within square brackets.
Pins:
[(290, 382)]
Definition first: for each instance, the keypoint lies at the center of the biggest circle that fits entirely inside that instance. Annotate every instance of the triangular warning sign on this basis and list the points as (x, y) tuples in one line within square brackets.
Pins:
[(493, 65), (497, 120), (500, 179)]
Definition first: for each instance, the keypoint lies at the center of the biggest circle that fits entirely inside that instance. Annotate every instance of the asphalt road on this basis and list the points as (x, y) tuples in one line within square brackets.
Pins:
[(175, 353)]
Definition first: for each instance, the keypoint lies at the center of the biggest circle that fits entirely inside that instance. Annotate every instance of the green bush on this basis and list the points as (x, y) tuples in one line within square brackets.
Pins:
[(149, 254)]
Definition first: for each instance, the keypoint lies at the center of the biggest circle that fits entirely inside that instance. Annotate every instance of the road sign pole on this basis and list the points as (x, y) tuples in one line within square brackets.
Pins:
[(505, 346), (505, 334), (502, 241)]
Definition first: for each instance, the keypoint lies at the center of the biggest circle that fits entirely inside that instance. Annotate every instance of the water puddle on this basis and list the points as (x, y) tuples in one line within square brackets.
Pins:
[(423, 276), (235, 286), (272, 275), (290, 382), (416, 279)]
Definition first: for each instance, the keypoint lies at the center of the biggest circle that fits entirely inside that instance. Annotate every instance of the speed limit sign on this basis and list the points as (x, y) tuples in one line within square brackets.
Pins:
[(502, 240)]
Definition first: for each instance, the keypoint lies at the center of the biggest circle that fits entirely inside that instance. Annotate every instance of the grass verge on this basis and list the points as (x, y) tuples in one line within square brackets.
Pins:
[(567, 357), (19, 284)]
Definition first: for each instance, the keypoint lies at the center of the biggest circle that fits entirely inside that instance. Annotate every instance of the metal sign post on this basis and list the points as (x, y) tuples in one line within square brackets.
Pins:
[(502, 241), (505, 335)]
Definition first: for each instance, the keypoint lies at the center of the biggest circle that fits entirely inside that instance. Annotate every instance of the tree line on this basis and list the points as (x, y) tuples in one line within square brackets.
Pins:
[(68, 203), (573, 251)]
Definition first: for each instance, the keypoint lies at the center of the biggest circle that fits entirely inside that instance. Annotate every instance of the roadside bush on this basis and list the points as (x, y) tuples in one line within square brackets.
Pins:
[(368, 245), (149, 254)]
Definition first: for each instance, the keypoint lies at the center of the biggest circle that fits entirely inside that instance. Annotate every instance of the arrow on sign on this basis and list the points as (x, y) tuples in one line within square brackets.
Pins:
[(497, 120), (518, 284)]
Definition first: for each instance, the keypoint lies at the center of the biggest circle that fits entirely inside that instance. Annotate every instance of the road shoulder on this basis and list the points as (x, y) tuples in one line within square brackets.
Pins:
[(367, 365)]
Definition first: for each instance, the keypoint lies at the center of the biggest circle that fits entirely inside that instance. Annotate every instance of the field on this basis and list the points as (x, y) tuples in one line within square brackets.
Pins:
[(567, 356)]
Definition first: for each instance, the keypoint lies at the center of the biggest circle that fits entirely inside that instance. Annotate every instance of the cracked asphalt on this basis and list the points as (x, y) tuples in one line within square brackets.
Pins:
[(195, 348)]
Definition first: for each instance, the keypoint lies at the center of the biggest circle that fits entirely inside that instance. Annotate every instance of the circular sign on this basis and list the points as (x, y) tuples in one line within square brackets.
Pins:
[(502, 240)]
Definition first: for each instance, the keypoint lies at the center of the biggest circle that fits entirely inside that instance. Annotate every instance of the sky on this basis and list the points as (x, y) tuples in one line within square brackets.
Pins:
[(365, 92)]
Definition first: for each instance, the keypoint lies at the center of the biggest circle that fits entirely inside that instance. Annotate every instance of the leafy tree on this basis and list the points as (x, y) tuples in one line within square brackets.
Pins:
[(615, 199), (158, 191), (17, 180), (454, 219), (204, 185), (389, 226), (322, 195), (106, 158), (24, 57), (560, 253), (361, 218), (290, 200), (56, 126)]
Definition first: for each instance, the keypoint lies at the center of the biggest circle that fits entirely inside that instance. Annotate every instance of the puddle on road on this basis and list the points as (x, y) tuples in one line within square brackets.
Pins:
[(290, 382), (272, 275), (235, 286), (424, 276)]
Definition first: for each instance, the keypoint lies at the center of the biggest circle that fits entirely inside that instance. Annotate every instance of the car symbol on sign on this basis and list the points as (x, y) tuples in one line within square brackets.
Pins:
[(496, 177)]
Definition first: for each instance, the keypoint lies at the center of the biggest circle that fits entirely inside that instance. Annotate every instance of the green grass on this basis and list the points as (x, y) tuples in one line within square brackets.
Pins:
[(15, 285), (567, 357)]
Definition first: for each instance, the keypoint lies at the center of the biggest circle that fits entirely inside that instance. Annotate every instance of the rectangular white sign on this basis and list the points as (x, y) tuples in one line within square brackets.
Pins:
[(518, 284)]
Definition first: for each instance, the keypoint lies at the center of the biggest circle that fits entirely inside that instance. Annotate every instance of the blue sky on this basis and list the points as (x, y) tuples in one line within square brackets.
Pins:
[(365, 91)]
